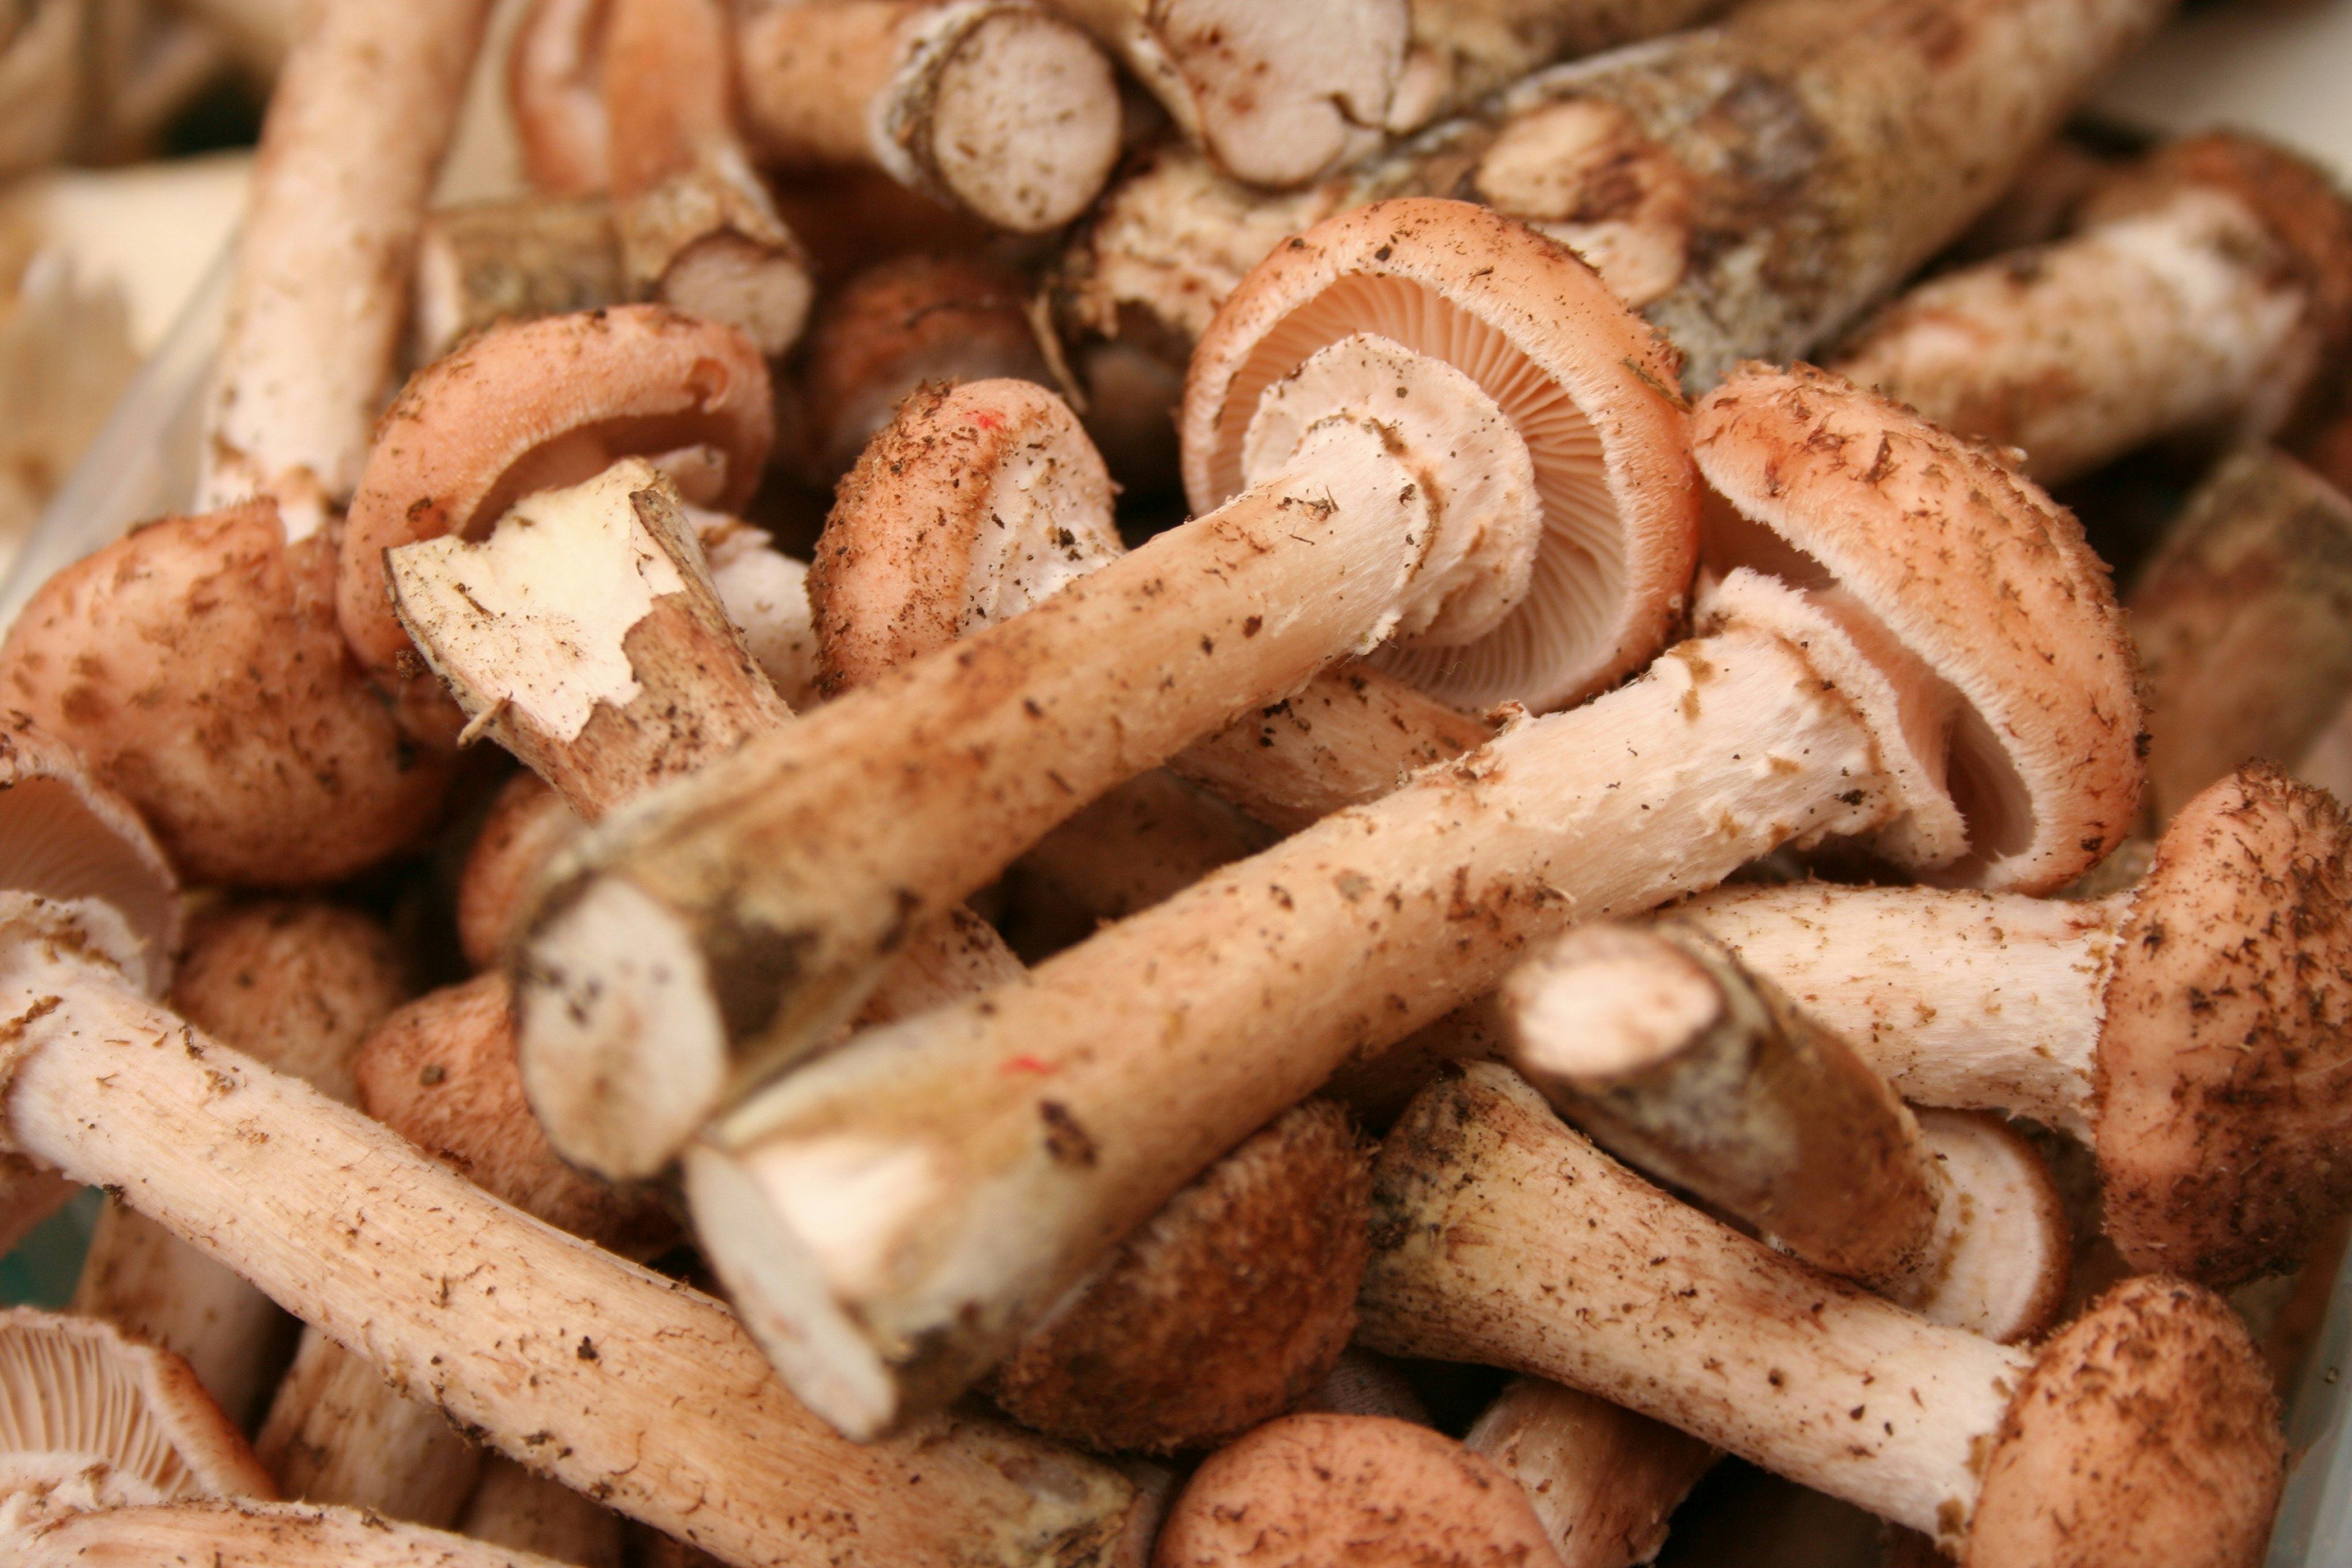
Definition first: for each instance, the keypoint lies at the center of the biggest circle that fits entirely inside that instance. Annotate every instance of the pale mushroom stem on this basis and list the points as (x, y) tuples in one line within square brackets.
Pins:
[(611, 1379), (996, 107), (519, 1510), (487, 262), (1602, 1480), (1657, 1307), (338, 1433), (699, 231), (249, 1534), (361, 112)]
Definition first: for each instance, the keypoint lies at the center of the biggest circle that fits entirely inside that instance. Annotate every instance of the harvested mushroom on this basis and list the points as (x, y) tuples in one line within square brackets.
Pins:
[(554, 83), (514, 260), (2144, 1431), (2190, 1030), (1802, 715), (248, 1534), (40, 76), (2209, 289), (699, 231), (1667, 1052), (338, 1432), (1602, 1480), (527, 824), (1425, 515), (998, 108), (1463, 50), (524, 1512)]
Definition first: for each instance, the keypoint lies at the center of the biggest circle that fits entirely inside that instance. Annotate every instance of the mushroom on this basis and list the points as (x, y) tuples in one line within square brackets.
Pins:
[(2243, 622), (248, 1534), (2144, 1431), (554, 83), (39, 74), (90, 1419), (699, 231), (997, 107), (765, 594), (527, 824), (531, 406), (362, 111), (338, 1432), (598, 1374), (1423, 515), (2189, 1029), (1462, 50), (1362, 1488), (513, 260), (1750, 186), (2009, 763), (1602, 1480), (1664, 1049), (2209, 288), (524, 1512)]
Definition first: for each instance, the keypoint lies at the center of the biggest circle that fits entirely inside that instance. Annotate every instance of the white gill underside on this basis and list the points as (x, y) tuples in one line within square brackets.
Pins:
[(1544, 652), (533, 618), (72, 1395), (1983, 1001)]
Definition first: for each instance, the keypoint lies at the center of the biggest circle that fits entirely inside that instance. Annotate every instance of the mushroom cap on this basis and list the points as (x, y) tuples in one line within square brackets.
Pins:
[(1368, 1490), (91, 1419), (64, 835), (528, 824), (2222, 1089), (294, 984), (1974, 572), (2145, 1432), (1588, 384), (441, 1072), (539, 406), (197, 667), (971, 504), (1226, 1308)]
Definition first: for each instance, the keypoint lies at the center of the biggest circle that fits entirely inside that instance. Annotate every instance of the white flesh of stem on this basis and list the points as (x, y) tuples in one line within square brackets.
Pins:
[(1996, 1249)]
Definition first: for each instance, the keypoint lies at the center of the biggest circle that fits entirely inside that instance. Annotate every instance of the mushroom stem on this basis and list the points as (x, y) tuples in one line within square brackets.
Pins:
[(1663, 1048), (1465, 49), (511, 260), (2243, 622), (995, 107), (1655, 1306), (605, 1376), (514, 1508), (339, 1433), (1602, 1480), (2210, 288), (699, 231), (249, 1534), (361, 115)]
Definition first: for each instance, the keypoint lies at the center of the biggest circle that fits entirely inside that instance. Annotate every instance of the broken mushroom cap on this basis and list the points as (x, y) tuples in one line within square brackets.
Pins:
[(528, 824), (547, 404), (2158, 1392), (1229, 1305), (294, 982), (2219, 1085), (1587, 386), (1021, 486), (65, 836), (1375, 1492), (90, 1419), (2023, 729)]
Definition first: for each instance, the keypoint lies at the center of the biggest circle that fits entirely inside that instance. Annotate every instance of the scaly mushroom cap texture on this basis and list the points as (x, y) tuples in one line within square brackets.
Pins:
[(294, 982), (2223, 1084), (1979, 574), (1366, 1490), (63, 836), (1589, 385), (1227, 1308), (2145, 1432), (528, 824), (543, 404), (90, 1419)]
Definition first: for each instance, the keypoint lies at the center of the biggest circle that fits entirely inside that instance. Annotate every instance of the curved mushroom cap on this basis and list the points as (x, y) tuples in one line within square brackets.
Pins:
[(197, 667), (1587, 386), (1364, 1489), (63, 836), (294, 984), (1930, 542), (90, 1419), (441, 1072), (2145, 1432), (2223, 1083), (1001, 465), (528, 824), (1229, 1306), (539, 406), (553, 69)]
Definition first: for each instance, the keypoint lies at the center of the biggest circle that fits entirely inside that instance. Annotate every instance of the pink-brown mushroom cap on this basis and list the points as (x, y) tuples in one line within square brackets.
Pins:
[(528, 824), (296, 983), (1306, 1491), (2224, 1082), (544, 403), (1463, 283), (1979, 574)]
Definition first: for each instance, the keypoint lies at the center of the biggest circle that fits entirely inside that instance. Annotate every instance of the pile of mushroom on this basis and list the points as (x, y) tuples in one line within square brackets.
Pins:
[(1142, 785)]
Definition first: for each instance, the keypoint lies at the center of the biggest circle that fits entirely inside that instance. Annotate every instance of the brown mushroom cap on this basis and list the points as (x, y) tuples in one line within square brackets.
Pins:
[(1001, 467), (543, 404), (197, 667), (295, 984), (2224, 1070), (527, 824), (1589, 387), (1974, 572), (88, 1418), (1229, 1306), (2145, 1432), (64, 835), (1366, 1490), (441, 1072)]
